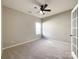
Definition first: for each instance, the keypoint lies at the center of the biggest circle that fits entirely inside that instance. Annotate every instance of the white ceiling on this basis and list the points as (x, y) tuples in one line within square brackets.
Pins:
[(27, 6)]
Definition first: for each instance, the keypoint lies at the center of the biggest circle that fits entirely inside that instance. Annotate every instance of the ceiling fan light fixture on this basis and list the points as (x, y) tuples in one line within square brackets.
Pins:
[(41, 12)]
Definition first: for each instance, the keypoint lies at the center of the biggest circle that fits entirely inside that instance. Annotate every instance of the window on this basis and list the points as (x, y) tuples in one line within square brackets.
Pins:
[(38, 28)]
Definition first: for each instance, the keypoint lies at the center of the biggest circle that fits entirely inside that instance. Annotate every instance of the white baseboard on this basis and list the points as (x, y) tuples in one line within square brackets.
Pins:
[(59, 41), (19, 44), (74, 56)]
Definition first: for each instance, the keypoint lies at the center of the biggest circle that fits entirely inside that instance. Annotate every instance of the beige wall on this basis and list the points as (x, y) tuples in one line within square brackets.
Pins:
[(57, 27), (17, 27)]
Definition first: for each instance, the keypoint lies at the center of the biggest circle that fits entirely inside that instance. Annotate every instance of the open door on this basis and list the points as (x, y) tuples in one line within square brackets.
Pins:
[(74, 32)]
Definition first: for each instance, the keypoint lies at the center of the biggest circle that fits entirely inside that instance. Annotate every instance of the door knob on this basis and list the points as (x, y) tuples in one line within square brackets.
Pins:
[(71, 35)]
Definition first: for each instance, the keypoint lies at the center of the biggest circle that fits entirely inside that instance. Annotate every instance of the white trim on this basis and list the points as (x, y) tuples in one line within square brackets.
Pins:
[(19, 44), (74, 8), (74, 56), (71, 32), (78, 29), (60, 41), (72, 52)]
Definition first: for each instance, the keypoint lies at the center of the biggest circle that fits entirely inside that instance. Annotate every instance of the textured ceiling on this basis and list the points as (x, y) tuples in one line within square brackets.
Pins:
[(27, 6)]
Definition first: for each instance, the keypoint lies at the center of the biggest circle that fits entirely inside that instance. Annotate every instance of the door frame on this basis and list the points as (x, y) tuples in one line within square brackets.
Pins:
[(72, 52)]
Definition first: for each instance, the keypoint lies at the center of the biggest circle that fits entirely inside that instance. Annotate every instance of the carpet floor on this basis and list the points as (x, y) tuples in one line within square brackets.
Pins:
[(39, 49)]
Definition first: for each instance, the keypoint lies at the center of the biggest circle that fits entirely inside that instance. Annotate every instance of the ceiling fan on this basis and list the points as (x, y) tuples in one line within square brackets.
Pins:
[(42, 6)]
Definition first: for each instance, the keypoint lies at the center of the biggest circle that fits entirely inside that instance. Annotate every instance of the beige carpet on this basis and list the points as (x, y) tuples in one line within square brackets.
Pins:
[(40, 49)]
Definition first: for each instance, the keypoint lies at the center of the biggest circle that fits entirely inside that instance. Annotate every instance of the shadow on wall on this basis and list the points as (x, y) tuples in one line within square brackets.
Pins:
[(44, 37)]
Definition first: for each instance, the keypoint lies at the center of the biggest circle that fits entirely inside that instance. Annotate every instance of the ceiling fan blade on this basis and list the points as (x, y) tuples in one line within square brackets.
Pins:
[(47, 10), (45, 6)]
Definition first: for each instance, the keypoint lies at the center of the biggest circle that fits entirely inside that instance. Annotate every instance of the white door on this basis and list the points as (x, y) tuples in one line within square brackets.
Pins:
[(74, 32)]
